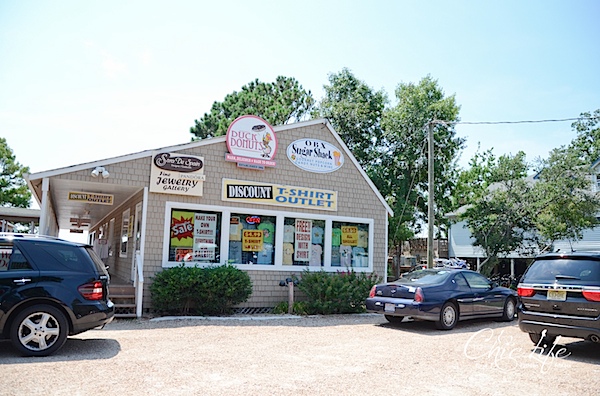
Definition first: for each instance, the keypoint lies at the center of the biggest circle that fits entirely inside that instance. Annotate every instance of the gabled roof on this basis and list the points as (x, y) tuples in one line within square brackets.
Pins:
[(205, 142)]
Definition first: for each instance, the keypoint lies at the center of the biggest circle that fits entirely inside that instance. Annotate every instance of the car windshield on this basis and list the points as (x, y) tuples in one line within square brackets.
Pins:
[(566, 270), (425, 277)]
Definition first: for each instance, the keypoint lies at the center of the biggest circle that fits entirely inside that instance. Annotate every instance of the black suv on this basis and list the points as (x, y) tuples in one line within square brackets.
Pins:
[(560, 296), (50, 289)]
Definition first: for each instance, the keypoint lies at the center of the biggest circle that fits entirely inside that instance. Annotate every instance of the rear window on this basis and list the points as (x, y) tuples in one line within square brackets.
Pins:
[(427, 277), (59, 257), (567, 270)]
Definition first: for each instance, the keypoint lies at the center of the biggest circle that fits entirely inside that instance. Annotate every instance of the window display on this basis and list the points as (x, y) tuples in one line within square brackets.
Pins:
[(194, 236), (349, 244), (266, 239), (303, 242), (251, 239)]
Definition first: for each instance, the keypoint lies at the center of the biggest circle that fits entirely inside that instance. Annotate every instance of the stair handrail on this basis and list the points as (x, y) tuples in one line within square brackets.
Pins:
[(139, 287)]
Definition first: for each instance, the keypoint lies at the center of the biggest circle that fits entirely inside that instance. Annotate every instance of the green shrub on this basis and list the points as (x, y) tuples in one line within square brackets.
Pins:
[(199, 291), (298, 308), (339, 293)]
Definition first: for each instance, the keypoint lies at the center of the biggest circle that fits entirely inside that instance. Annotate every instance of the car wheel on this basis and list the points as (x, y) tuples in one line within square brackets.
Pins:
[(39, 330), (509, 310), (535, 338), (448, 317), (394, 319)]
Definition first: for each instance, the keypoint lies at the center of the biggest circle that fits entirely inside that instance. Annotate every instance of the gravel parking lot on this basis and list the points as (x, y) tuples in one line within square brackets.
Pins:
[(321, 355)]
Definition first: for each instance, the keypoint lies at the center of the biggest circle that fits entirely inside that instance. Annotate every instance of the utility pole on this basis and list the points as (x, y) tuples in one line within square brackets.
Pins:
[(430, 203)]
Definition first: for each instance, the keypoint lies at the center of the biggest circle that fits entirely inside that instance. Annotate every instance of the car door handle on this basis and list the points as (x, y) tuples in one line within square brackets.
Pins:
[(478, 299), (21, 281)]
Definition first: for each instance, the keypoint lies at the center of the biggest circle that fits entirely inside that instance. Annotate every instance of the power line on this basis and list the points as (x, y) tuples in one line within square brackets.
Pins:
[(514, 122)]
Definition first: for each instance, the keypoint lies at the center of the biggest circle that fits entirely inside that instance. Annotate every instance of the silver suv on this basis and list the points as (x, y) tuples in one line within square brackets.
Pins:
[(560, 296)]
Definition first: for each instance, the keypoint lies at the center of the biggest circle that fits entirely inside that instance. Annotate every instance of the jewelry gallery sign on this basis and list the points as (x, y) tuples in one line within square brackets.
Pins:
[(279, 195), (174, 173)]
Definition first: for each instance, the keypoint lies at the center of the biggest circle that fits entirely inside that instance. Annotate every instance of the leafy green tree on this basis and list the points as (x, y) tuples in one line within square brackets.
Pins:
[(278, 103), (355, 111), (13, 189), (565, 204), (401, 172), (507, 211), (587, 142), (473, 182), (501, 218)]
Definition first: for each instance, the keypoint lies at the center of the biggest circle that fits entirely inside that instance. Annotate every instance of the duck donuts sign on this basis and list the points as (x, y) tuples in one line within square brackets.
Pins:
[(251, 142)]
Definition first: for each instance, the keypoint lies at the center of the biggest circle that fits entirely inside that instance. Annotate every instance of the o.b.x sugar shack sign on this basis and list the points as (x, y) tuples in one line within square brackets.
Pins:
[(314, 155)]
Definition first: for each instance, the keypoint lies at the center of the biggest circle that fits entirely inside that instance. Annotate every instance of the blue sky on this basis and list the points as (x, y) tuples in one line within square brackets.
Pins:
[(85, 80)]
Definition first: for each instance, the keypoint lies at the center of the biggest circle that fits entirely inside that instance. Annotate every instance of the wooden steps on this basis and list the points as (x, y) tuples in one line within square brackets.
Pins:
[(123, 296)]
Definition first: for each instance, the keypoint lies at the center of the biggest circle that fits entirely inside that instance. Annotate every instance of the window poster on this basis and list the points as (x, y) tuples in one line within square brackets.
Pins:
[(205, 233), (252, 240), (302, 243), (349, 235)]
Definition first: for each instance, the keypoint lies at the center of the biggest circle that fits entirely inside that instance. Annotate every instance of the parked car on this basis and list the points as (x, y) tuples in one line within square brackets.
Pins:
[(49, 289), (560, 296), (443, 296), (451, 263)]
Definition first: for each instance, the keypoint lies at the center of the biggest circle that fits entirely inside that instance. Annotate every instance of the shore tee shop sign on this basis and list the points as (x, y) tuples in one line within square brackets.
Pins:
[(174, 173), (251, 142)]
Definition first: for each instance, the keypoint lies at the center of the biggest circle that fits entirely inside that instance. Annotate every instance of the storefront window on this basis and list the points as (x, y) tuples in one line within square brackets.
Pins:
[(251, 239), (303, 242), (349, 244), (195, 236)]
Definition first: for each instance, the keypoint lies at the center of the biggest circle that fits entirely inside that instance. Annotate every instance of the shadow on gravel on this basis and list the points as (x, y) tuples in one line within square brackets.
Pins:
[(74, 349), (425, 327), (577, 350)]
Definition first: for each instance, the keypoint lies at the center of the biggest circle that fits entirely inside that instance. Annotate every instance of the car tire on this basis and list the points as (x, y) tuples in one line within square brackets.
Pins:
[(394, 319), (510, 308), (535, 338), (448, 317), (39, 330)]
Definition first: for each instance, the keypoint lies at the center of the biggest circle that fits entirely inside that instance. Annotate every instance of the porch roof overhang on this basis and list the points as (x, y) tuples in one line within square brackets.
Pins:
[(78, 214)]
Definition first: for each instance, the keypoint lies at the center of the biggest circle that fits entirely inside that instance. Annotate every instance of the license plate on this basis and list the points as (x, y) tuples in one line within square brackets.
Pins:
[(557, 295), (390, 307)]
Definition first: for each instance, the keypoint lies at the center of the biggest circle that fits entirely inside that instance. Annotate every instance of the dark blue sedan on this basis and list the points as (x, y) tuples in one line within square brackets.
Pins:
[(443, 296)]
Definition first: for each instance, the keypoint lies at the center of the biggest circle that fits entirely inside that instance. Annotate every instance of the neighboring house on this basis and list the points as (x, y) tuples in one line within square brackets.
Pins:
[(9, 216), (272, 201), (460, 240)]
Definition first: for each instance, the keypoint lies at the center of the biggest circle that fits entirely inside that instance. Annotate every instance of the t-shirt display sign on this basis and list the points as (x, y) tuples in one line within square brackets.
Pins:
[(302, 244), (173, 173), (349, 235), (251, 141), (252, 240), (205, 235), (315, 155)]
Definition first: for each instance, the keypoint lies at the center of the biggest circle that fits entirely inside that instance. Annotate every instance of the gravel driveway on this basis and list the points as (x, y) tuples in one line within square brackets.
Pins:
[(331, 355)]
